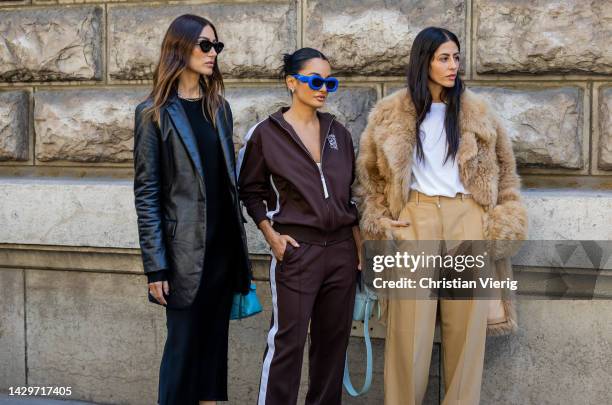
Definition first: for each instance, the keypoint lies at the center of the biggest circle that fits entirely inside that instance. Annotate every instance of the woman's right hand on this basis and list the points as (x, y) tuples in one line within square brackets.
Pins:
[(158, 289), (278, 243), (392, 227)]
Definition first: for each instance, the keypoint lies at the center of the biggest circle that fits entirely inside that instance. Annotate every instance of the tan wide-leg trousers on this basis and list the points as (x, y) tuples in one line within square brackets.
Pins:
[(411, 323)]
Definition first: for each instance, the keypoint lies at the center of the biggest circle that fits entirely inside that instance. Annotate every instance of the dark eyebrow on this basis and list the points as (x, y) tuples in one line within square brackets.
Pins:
[(207, 39), (447, 54)]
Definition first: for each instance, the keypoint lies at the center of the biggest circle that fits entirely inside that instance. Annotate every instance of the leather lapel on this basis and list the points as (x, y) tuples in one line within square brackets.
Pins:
[(183, 127), (227, 143)]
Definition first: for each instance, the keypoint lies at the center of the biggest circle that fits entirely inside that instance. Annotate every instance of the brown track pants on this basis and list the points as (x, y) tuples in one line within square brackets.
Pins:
[(315, 284)]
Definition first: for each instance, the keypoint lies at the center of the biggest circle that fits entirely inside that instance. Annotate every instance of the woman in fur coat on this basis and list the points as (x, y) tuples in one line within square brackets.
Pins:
[(456, 180)]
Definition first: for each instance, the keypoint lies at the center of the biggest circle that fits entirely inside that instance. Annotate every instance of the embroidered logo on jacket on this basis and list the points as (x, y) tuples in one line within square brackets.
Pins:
[(331, 138)]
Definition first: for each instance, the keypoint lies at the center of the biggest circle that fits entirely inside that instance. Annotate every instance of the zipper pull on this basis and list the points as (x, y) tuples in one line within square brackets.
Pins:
[(325, 193)]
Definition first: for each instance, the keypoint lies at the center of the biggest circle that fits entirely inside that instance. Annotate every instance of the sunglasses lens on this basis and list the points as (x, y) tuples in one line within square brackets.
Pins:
[(205, 46), (317, 83), (331, 85)]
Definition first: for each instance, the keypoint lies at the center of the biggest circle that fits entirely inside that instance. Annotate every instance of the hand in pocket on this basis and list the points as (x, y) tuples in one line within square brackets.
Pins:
[(279, 245), (158, 289), (393, 226)]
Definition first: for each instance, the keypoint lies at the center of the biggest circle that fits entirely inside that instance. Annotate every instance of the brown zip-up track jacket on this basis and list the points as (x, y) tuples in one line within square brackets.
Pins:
[(279, 179)]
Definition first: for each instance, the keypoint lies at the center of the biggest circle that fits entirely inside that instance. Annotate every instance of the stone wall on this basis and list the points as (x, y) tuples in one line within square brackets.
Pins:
[(72, 71)]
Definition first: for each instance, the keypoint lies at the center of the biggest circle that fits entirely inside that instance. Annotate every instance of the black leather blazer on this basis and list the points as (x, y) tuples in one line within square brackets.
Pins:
[(170, 199)]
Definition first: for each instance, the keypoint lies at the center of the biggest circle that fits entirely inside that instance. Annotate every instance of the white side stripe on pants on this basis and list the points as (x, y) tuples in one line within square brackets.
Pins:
[(265, 372)]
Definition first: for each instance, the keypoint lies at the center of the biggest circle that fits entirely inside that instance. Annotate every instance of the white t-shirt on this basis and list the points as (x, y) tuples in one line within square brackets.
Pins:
[(431, 176)]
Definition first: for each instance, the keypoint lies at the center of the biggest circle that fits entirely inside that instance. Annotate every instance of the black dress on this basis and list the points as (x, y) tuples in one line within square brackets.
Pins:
[(194, 363)]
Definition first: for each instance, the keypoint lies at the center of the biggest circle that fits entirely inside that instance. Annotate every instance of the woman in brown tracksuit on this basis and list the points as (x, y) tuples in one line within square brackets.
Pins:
[(295, 180)]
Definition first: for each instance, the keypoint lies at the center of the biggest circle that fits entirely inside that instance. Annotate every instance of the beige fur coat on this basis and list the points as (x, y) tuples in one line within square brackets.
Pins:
[(486, 166)]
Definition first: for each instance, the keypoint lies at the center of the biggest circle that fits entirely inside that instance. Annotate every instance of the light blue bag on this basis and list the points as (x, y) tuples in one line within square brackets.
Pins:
[(244, 306), (365, 301)]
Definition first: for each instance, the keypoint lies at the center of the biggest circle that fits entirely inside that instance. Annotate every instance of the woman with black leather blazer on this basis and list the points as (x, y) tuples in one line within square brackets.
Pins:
[(189, 220)]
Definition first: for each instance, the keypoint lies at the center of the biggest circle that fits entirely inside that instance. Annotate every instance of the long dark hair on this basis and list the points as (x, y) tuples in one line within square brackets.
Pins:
[(421, 55), (176, 49)]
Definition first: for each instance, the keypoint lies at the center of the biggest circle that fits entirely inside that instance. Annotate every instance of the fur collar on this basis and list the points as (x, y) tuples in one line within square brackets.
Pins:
[(475, 116), (395, 118)]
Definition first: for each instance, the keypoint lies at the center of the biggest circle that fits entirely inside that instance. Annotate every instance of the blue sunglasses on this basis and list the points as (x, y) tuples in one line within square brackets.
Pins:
[(316, 82)]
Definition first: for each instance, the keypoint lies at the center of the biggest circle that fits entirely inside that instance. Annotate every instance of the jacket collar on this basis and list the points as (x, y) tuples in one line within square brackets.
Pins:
[(324, 117), (225, 132), (325, 122), (183, 127), (474, 116), (396, 117)]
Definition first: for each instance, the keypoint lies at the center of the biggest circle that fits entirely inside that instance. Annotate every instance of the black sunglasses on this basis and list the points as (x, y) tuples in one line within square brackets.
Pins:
[(206, 45)]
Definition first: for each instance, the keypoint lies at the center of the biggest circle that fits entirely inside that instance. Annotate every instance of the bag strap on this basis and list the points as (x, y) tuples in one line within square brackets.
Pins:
[(368, 374)]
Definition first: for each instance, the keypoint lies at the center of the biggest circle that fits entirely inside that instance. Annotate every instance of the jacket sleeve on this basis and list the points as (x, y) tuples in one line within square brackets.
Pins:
[(147, 191), (508, 219), (369, 188), (352, 200), (253, 185)]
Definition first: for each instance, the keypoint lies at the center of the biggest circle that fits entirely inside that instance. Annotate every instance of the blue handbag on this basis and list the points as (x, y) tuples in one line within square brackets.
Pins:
[(365, 300), (247, 305)]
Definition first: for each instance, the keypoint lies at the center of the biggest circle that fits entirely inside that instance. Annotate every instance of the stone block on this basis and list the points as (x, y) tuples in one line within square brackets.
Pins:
[(605, 129), (92, 126), (51, 44), (80, 334), (545, 125), (68, 212), (526, 36), (373, 37), (101, 213), (255, 35), (14, 129), (12, 329), (561, 355), (569, 215)]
